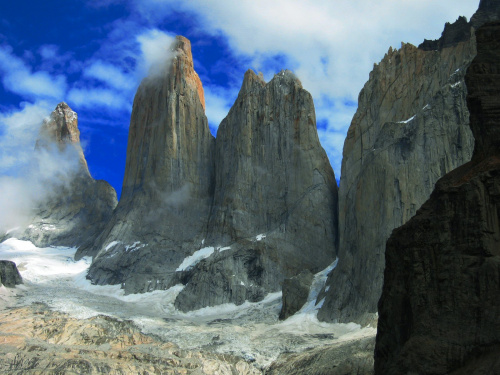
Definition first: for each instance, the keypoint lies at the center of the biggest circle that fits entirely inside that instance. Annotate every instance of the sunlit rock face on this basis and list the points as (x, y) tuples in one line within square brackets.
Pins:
[(411, 128), (439, 309), (168, 183), (229, 218), (74, 207)]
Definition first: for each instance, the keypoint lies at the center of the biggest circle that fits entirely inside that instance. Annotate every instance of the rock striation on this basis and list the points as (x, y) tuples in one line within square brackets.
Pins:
[(77, 206), (439, 309), (9, 274), (275, 198), (411, 128), (168, 185), (254, 206)]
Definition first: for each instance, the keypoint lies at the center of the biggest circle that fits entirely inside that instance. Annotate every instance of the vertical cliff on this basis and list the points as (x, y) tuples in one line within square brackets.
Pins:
[(411, 128), (76, 207), (439, 309), (168, 185), (275, 198)]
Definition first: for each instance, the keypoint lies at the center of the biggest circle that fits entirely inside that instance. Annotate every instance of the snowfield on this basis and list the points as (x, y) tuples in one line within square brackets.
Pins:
[(252, 330)]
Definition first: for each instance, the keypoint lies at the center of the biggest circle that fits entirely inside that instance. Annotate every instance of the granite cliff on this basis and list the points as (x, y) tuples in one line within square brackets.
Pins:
[(253, 206), (275, 201), (167, 189), (411, 128), (439, 309), (77, 206)]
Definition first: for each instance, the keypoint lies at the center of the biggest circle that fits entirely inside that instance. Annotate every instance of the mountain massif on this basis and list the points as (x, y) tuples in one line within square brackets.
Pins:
[(411, 128), (257, 210), (253, 206)]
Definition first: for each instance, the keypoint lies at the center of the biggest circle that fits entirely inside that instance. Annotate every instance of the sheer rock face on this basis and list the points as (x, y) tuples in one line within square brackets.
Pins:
[(261, 200), (272, 178), (439, 309), (168, 183), (77, 206), (411, 128), (9, 274)]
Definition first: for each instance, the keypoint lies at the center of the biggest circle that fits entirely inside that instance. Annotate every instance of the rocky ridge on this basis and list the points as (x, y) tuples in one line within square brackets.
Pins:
[(253, 206), (411, 128), (78, 206), (440, 303)]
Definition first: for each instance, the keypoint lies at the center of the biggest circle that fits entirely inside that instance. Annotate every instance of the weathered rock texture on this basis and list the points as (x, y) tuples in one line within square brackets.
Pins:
[(439, 309), (262, 198), (295, 292), (9, 274), (411, 128), (272, 178), (353, 357), (76, 207), (167, 189), (36, 340)]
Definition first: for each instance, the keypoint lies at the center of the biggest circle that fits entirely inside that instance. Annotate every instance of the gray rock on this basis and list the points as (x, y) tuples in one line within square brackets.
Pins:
[(295, 292), (439, 309), (411, 128), (168, 186), (272, 177), (345, 358), (77, 207), (9, 274)]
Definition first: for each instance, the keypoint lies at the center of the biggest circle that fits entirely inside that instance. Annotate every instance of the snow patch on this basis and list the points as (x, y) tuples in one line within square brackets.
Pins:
[(135, 246), (260, 237), (110, 245), (220, 249), (407, 121), (192, 260)]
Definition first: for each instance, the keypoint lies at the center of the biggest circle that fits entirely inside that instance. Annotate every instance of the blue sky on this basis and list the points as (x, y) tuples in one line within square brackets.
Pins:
[(93, 54)]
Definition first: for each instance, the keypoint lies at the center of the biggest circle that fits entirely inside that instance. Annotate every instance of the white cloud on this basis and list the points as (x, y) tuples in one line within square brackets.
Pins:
[(156, 53), (90, 98), (18, 78), (111, 75), (218, 102)]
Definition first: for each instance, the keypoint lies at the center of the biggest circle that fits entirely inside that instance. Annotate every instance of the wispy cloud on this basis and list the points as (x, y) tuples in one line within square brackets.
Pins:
[(29, 176), (19, 78)]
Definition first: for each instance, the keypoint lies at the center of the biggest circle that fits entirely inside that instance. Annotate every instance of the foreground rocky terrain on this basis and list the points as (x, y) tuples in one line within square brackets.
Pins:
[(441, 298)]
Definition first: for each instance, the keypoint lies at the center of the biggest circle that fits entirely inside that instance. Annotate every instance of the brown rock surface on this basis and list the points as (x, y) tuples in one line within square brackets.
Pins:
[(439, 309), (36, 340)]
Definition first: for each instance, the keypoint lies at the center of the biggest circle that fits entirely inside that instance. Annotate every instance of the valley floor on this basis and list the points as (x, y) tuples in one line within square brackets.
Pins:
[(58, 322)]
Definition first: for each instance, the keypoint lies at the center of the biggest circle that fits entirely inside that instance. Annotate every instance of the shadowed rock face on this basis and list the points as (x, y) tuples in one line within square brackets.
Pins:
[(168, 183), (77, 206), (439, 309), (9, 274), (272, 177), (411, 128)]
